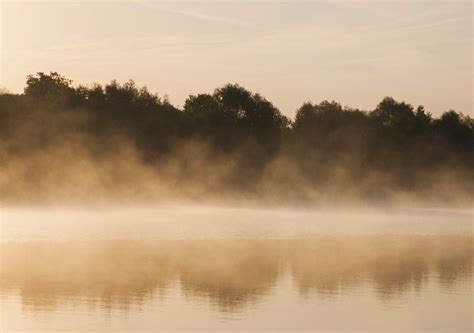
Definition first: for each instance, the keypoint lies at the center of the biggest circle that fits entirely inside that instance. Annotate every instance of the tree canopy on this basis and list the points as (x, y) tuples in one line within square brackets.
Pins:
[(327, 147)]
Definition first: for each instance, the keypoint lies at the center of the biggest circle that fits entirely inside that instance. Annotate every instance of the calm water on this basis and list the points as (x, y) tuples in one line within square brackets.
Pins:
[(188, 268)]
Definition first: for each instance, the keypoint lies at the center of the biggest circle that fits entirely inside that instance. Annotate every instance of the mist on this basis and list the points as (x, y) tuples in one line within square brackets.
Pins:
[(209, 206), (116, 143), (231, 273)]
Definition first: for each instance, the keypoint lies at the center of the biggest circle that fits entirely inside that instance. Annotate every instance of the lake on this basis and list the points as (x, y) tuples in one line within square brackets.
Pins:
[(236, 269)]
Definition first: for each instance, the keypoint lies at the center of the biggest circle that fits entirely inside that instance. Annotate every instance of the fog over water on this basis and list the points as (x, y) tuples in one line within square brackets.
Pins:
[(119, 143), (175, 221), (261, 194), (205, 268)]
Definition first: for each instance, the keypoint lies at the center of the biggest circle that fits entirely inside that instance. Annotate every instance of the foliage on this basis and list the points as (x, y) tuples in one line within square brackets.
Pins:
[(326, 143)]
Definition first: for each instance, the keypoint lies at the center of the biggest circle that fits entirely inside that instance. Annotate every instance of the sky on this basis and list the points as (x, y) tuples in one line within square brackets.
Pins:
[(353, 52)]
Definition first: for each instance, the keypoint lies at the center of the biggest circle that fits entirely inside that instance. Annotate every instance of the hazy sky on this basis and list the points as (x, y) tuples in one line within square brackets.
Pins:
[(351, 51)]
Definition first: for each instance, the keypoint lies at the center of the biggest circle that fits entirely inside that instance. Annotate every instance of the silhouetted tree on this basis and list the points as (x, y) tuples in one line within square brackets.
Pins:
[(326, 142)]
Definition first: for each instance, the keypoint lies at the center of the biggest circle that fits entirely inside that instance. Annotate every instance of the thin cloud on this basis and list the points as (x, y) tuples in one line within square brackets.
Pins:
[(199, 16)]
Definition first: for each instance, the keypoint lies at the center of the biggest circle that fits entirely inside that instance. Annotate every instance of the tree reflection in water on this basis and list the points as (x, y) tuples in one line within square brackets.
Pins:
[(120, 275)]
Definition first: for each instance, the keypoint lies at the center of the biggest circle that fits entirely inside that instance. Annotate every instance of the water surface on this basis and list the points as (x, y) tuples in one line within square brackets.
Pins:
[(236, 269)]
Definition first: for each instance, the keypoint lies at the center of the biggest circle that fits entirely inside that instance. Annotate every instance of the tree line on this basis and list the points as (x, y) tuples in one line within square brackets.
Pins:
[(325, 148)]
